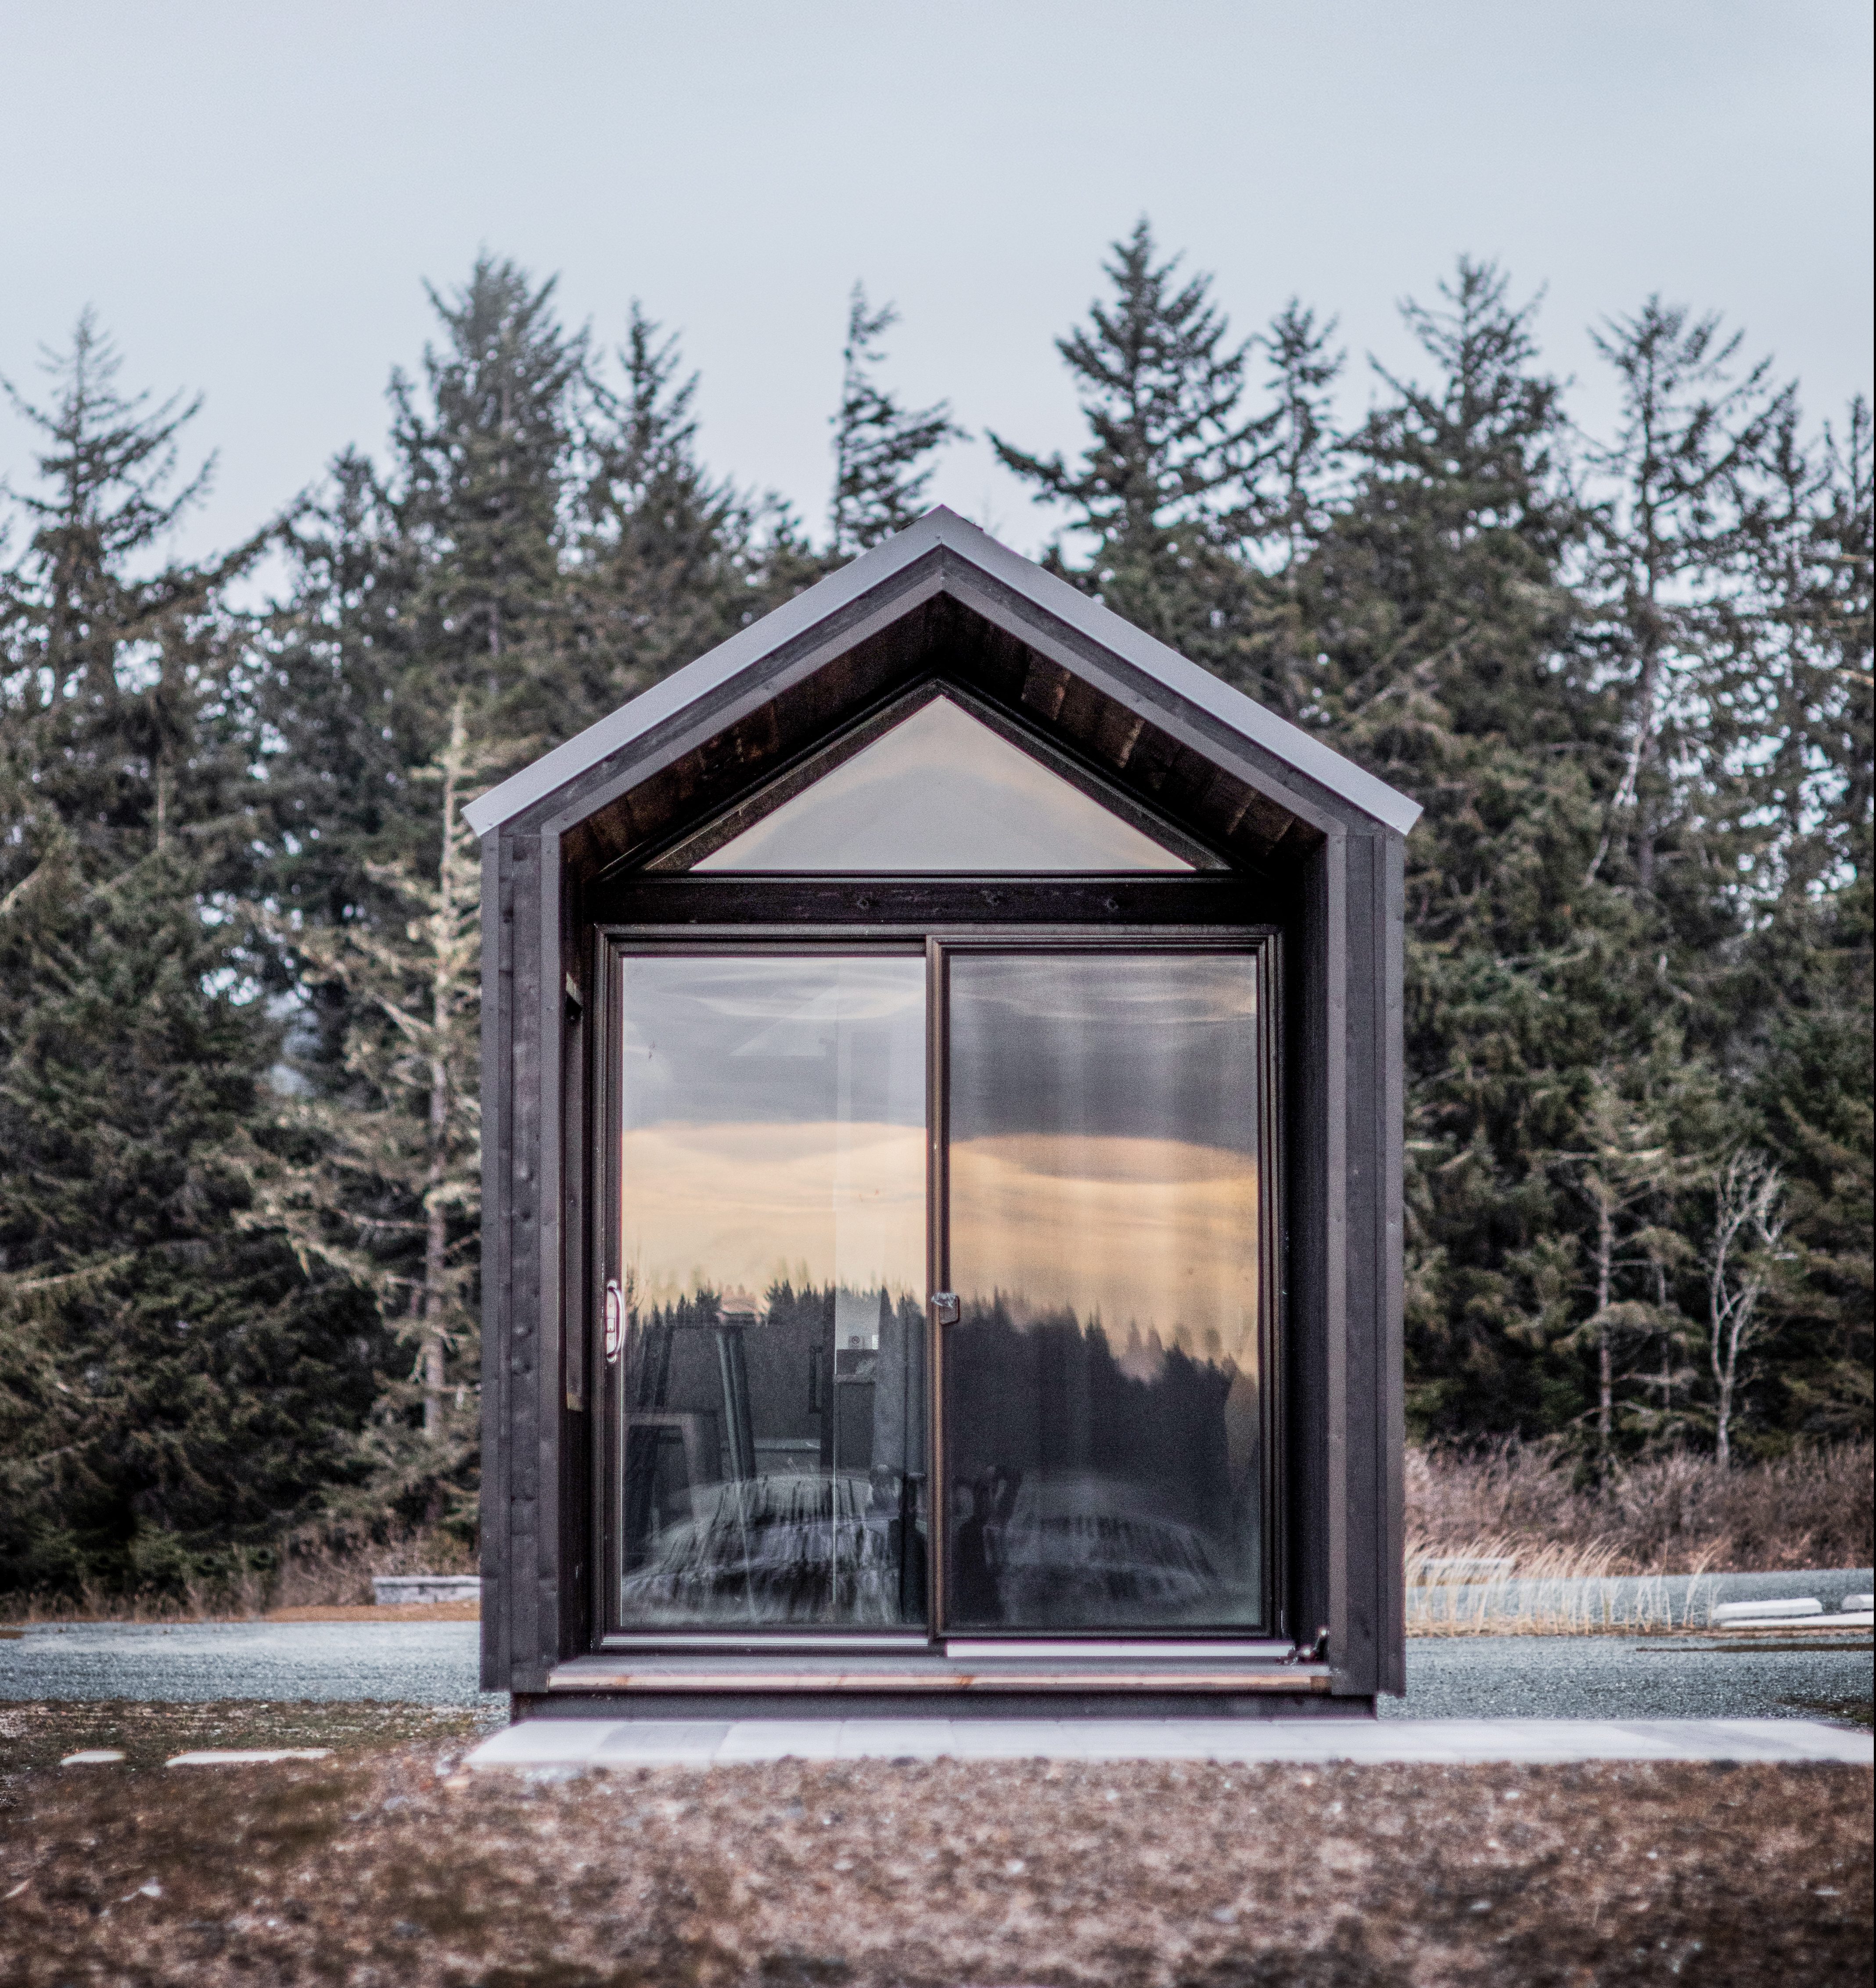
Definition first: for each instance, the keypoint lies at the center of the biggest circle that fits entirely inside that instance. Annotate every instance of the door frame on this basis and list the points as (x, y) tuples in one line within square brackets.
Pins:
[(939, 938)]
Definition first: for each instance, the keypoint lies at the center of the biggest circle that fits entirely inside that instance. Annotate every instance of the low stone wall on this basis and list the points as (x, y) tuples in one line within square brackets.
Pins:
[(392, 1590)]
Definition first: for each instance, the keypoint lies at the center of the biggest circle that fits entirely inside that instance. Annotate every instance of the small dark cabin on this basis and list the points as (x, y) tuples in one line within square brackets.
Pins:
[(941, 1232)]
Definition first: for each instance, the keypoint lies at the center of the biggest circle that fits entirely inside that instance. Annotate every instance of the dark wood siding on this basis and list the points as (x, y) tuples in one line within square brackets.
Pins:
[(1307, 862)]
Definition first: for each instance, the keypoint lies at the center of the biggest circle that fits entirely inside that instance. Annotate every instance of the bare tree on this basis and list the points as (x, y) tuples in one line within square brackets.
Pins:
[(1749, 1226), (1629, 1163)]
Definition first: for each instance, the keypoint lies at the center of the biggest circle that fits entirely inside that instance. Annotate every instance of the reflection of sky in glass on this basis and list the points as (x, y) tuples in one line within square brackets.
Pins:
[(773, 1121), (1103, 1143), (941, 791)]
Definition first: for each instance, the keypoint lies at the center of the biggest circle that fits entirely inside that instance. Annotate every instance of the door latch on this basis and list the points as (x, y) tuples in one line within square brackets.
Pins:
[(946, 1307), (615, 1321)]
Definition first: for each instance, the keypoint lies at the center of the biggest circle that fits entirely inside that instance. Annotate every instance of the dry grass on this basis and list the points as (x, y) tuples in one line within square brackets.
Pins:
[(1550, 1591), (398, 1869), (310, 1574), (1677, 1514), (319, 1576), (238, 1597), (390, 1611), (1506, 1540)]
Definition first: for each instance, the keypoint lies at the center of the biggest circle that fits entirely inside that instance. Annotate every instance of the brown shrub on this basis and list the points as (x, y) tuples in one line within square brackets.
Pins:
[(1675, 1514), (319, 1574)]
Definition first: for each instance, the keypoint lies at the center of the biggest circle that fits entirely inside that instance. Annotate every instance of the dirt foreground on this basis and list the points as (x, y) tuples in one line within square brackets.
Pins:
[(388, 1865)]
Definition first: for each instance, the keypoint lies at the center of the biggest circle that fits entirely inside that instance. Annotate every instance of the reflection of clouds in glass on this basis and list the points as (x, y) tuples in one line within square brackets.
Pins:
[(1143, 1046), (1114, 990), (1152, 1234), (775, 1037), (779, 990), (807, 1028), (844, 1202)]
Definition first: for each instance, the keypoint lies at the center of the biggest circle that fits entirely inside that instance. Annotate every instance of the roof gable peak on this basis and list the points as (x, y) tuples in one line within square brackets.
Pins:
[(1170, 677)]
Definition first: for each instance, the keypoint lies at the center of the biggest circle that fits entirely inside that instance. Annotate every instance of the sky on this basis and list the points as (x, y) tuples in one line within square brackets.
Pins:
[(253, 196)]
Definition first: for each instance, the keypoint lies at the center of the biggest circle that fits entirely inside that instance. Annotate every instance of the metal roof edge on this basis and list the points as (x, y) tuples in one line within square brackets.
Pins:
[(743, 650), (941, 527), (1278, 736)]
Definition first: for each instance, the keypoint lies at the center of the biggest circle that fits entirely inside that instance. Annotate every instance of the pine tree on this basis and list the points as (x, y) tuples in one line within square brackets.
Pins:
[(1451, 664), (1303, 447), (1743, 1266), (173, 1393), (442, 580), (1163, 493), (1630, 1172), (1689, 433), (1162, 386), (436, 636), (665, 555), (1801, 686), (1291, 492), (391, 1193), (484, 470), (119, 722), (337, 737), (171, 1389), (882, 452)]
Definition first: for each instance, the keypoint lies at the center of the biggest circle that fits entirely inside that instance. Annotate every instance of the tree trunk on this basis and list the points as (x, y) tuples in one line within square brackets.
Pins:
[(436, 1243), (436, 1222), (1605, 1360)]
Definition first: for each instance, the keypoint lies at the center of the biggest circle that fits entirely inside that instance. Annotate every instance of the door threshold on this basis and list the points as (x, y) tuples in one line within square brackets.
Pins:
[(794, 1674), (728, 1643), (1102, 1650)]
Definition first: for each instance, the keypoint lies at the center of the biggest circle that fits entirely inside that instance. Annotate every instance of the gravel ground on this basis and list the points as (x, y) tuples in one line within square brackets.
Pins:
[(1631, 1677), (389, 1869), (418, 1663), (434, 1663)]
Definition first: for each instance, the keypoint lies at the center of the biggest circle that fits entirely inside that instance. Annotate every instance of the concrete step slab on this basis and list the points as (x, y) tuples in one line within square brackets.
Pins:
[(601, 1743)]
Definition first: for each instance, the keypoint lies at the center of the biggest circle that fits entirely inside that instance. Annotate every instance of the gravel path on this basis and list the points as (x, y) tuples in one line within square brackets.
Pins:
[(408, 1663), (1625, 1677), (434, 1663)]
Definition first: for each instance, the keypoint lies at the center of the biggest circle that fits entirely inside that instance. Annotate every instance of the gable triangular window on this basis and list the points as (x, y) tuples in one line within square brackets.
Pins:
[(941, 791)]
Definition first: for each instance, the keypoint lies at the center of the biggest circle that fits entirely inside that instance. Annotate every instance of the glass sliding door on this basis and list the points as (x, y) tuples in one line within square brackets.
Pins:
[(1105, 1143), (766, 1320), (1088, 1184)]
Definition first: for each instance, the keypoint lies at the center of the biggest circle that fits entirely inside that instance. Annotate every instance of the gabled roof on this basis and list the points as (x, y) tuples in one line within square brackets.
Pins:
[(717, 677)]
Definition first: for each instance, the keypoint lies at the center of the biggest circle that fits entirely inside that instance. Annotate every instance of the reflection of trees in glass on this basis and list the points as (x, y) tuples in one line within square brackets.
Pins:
[(1088, 1489), (772, 1458)]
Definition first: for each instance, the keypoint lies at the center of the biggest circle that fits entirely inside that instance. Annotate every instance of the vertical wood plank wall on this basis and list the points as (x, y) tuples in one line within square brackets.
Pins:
[(497, 1010)]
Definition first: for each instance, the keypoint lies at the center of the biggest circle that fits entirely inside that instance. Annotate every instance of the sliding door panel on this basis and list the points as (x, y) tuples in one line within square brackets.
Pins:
[(1103, 1140), (771, 1358)]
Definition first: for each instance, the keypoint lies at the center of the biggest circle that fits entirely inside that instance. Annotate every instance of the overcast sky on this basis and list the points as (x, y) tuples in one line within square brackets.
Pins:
[(253, 194)]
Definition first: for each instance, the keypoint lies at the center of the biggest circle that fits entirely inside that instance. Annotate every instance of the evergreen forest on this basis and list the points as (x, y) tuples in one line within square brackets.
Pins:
[(1627, 673)]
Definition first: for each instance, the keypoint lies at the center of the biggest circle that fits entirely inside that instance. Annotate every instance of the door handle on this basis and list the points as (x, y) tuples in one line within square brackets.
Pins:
[(615, 1320), (946, 1307)]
